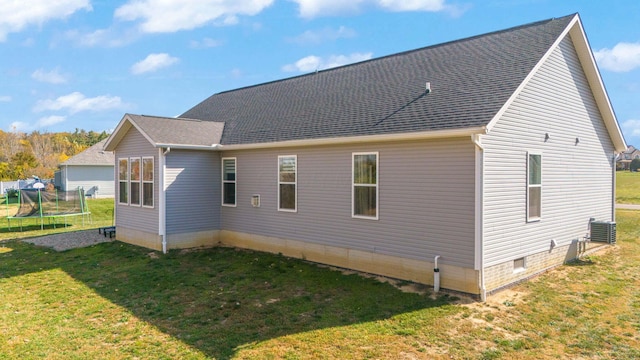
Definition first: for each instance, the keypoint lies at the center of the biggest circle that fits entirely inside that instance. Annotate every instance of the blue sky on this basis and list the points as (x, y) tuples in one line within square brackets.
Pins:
[(82, 64)]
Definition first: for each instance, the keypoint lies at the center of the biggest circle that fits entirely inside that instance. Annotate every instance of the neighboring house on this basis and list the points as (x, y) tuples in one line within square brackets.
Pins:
[(91, 170), (362, 167), (627, 156)]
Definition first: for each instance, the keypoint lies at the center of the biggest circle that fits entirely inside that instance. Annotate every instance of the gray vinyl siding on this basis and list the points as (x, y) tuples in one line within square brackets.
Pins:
[(193, 191), (141, 218), (576, 178), (88, 178), (425, 205)]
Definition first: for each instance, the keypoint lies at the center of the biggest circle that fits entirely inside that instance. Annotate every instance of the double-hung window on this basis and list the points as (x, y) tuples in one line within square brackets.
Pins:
[(534, 186), (123, 181), (287, 182), (229, 181), (147, 181), (365, 185), (135, 182)]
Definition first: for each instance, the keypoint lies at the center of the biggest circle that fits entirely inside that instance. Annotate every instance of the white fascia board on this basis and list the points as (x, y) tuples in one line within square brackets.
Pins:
[(125, 125), (531, 74), (188, 146), (575, 30), (592, 73), (423, 135), (117, 134)]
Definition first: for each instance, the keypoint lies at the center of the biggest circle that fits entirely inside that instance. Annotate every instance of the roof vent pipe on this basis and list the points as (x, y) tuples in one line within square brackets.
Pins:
[(428, 87)]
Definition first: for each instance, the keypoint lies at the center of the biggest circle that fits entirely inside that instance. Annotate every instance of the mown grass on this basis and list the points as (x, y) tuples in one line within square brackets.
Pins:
[(627, 187), (101, 215), (114, 301), (120, 301)]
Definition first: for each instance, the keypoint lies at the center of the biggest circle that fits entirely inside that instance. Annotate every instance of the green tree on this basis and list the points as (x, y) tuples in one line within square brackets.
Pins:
[(635, 164), (23, 162)]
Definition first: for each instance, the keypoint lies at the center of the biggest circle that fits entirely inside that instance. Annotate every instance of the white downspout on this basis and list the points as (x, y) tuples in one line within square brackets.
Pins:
[(613, 185), (436, 274), (162, 201), (479, 211)]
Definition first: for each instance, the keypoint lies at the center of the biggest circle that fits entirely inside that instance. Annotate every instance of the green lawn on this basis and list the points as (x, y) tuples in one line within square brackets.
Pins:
[(101, 215), (627, 187), (115, 301)]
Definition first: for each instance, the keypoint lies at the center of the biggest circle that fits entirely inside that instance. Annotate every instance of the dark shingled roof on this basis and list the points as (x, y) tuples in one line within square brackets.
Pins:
[(92, 156), (178, 131), (471, 80)]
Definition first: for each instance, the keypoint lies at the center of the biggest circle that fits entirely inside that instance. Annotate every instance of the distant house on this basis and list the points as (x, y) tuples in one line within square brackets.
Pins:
[(455, 151), (91, 170), (627, 156)]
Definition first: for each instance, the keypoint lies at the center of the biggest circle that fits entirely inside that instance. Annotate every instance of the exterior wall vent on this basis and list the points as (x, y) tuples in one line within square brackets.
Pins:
[(603, 231), (255, 200)]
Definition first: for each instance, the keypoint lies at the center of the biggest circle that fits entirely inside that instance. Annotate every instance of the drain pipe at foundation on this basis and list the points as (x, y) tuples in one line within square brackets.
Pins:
[(436, 275), (479, 210), (163, 209)]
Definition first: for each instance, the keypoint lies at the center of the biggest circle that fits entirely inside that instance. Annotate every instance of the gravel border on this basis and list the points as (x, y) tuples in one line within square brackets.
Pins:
[(70, 240)]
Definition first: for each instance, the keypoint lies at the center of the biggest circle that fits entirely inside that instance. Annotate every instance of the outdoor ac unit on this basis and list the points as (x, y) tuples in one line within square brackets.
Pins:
[(603, 231)]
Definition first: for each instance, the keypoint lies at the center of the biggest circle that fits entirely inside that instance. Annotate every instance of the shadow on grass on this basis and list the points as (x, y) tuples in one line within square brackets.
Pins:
[(218, 299), (581, 262)]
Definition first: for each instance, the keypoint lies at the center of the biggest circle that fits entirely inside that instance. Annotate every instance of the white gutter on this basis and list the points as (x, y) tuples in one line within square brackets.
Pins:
[(188, 146), (436, 134), (479, 212), (162, 208)]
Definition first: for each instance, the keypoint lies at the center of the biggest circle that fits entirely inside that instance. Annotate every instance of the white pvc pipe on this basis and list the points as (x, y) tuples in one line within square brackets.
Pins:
[(436, 275)]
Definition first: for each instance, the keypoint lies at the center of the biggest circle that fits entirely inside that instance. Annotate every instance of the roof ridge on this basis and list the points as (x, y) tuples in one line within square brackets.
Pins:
[(165, 117), (402, 53)]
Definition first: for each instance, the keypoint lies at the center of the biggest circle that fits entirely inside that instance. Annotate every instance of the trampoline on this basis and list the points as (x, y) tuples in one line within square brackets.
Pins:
[(51, 205)]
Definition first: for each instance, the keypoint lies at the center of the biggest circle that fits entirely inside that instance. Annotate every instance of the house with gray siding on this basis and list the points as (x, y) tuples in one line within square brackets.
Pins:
[(91, 170), (455, 152)]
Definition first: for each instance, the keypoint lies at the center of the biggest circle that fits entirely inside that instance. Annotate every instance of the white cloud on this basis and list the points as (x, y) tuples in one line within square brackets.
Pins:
[(313, 8), (631, 127), (326, 34), (205, 43), (153, 62), (52, 77), (313, 63), (236, 73), (19, 126), (77, 102), (110, 37), (50, 120), (15, 15), (412, 5), (160, 16), (5, 98), (622, 58)]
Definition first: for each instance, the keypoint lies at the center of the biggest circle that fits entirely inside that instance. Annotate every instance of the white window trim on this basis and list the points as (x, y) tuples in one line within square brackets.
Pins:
[(153, 181), (529, 186), (295, 183), (235, 167), (121, 181), (376, 185), (131, 159)]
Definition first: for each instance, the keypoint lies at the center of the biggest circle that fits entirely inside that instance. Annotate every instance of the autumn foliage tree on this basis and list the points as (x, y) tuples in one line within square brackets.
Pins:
[(39, 153)]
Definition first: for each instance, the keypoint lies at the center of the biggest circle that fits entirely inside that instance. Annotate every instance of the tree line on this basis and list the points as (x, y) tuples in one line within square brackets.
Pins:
[(38, 154)]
